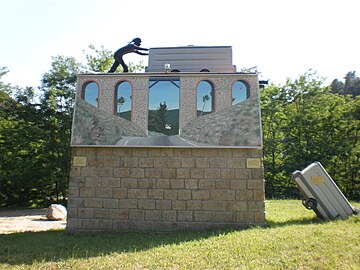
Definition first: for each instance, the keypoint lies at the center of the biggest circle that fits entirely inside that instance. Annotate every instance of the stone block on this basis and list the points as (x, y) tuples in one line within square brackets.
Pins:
[(177, 183), (118, 214), (187, 162), (238, 184), (227, 174), (163, 183), (217, 163), (206, 184), (168, 173), (110, 182), (105, 225), (140, 152), (202, 162), (137, 215), (212, 174), (146, 204), (93, 202), (214, 205), (173, 162), (129, 162), (156, 194), (146, 162), (129, 183), (178, 205), (104, 193), (185, 216), (245, 217), (255, 184), (152, 173), (200, 194), (153, 215), (137, 172), (137, 193), (159, 162), (163, 204), (222, 184), (193, 205), (86, 212), (146, 226), (191, 183), (128, 203), (170, 194), (90, 224), (146, 183), (121, 172), (101, 213), (244, 195), (183, 173), (169, 216), (226, 195), (110, 203), (256, 206), (197, 173), (184, 194), (243, 174), (202, 216), (120, 193)]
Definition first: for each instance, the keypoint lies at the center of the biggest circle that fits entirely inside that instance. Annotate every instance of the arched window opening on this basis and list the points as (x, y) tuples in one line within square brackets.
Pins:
[(123, 102), (205, 102), (91, 94), (240, 92)]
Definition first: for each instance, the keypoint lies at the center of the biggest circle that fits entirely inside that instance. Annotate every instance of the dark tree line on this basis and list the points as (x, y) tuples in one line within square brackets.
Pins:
[(303, 122)]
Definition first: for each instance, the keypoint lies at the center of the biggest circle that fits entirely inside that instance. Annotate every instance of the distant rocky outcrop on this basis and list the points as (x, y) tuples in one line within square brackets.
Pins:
[(238, 125), (96, 127)]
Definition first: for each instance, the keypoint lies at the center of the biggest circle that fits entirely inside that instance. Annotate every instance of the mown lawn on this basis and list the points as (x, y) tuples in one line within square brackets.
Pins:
[(293, 239)]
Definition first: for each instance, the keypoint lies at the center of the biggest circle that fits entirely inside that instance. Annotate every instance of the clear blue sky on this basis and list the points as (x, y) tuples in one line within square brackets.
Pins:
[(282, 38)]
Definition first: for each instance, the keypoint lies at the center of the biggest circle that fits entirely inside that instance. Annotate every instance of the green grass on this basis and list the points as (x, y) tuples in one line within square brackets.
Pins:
[(293, 239)]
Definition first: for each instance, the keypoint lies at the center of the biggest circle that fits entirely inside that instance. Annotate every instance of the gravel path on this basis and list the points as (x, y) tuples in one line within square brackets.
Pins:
[(28, 220)]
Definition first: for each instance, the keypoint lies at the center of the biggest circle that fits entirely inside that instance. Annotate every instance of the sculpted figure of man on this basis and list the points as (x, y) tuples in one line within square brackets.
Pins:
[(133, 46)]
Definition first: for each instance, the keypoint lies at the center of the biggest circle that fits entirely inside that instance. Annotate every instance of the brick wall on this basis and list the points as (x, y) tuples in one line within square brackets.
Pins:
[(165, 189)]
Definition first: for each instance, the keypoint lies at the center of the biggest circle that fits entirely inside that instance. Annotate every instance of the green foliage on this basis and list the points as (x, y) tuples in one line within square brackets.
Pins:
[(35, 132), (304, 122)]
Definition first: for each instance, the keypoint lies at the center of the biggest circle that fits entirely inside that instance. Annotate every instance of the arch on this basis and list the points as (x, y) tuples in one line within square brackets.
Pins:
[(205, 98), (123, 100), (90, 93), (240, 91), (175, 70), (204, 70)]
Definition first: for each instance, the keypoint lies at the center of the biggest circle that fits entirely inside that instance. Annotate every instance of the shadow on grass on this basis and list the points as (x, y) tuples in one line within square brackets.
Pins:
[(57, 245)]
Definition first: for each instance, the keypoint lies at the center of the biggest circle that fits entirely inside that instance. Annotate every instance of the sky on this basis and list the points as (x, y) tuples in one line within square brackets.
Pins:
[(281, 38)]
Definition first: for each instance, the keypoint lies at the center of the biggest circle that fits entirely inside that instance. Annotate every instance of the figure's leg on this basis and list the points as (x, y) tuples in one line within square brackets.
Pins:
[(114, 66), (125, 67)]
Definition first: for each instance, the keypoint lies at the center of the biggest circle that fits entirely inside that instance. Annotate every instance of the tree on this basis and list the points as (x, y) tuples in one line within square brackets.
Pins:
[(205, 99), (120, 102), (304, 122), (350, 87)]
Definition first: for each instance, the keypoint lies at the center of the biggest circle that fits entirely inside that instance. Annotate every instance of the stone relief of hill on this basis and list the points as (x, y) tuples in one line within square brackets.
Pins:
[(96, 127), (238, 125)]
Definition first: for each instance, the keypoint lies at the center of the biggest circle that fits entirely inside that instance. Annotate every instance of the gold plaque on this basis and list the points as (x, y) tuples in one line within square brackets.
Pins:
[(253, 163), (79, 161), (317, 180)]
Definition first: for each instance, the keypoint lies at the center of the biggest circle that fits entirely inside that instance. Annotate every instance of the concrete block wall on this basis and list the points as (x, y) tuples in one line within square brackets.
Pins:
[(165, 189)]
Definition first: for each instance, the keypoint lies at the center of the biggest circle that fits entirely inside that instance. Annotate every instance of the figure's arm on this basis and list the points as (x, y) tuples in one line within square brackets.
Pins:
[(141, 49), (141, 53)]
